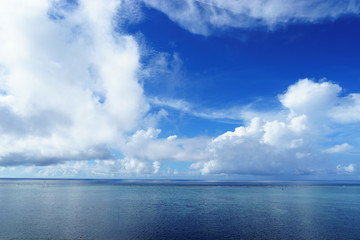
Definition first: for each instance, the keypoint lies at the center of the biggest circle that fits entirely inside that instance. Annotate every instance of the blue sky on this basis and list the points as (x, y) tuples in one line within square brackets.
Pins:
[(264, 89)]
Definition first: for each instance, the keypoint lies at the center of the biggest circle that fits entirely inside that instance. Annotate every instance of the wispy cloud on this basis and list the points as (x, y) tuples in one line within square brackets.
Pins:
[(202, 17), (177, 104), (339, 148), (234, 114)]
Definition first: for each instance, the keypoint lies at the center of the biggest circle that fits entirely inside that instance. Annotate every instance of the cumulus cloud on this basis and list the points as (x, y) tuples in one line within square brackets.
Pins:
[(288, 145), (310, 98), (126, 167), (322, 100), (345, 169), (262, 147), (68, 81), (204, 16), (145, 145), (338, 148)]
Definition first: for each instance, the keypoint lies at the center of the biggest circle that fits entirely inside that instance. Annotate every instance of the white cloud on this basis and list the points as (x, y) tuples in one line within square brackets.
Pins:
[(255, 149), (146, 146), (163, 63), (339, 148), (177, 104), (156, 166), (310, 98), (202, 17), (152, 119), (345, 169), (262, 147), (127, 167), (287, 145), (321, 102), (252, 131), (172, 137), (347, 111), (235, 113), (162, 73), (133, 166), (68, 81), (285, 134)]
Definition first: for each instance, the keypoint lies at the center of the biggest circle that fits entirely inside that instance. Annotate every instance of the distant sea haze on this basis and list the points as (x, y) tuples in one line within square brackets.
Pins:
[(149, 209)]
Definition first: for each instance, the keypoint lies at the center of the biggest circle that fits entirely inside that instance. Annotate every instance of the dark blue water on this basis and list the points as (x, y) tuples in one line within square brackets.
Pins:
[(95, 209)]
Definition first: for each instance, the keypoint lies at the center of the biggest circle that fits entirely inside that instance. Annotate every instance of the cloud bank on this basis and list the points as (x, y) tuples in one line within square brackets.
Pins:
[(301, 142), (290, 145), (205, 16)]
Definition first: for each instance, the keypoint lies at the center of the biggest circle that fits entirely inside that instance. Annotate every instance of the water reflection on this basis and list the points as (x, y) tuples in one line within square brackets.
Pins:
[(93, 210)]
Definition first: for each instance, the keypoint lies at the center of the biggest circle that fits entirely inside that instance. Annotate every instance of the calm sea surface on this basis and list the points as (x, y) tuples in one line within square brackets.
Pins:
[(119, 209)]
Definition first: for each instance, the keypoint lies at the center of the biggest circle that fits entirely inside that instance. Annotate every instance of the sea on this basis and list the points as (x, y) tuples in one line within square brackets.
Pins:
[(178, 209)]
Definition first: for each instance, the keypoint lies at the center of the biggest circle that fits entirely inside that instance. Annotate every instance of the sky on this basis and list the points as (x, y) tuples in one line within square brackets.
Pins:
[(180, 89)]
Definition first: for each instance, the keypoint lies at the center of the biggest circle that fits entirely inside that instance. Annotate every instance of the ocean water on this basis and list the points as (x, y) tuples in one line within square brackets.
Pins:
[(119, 209)]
